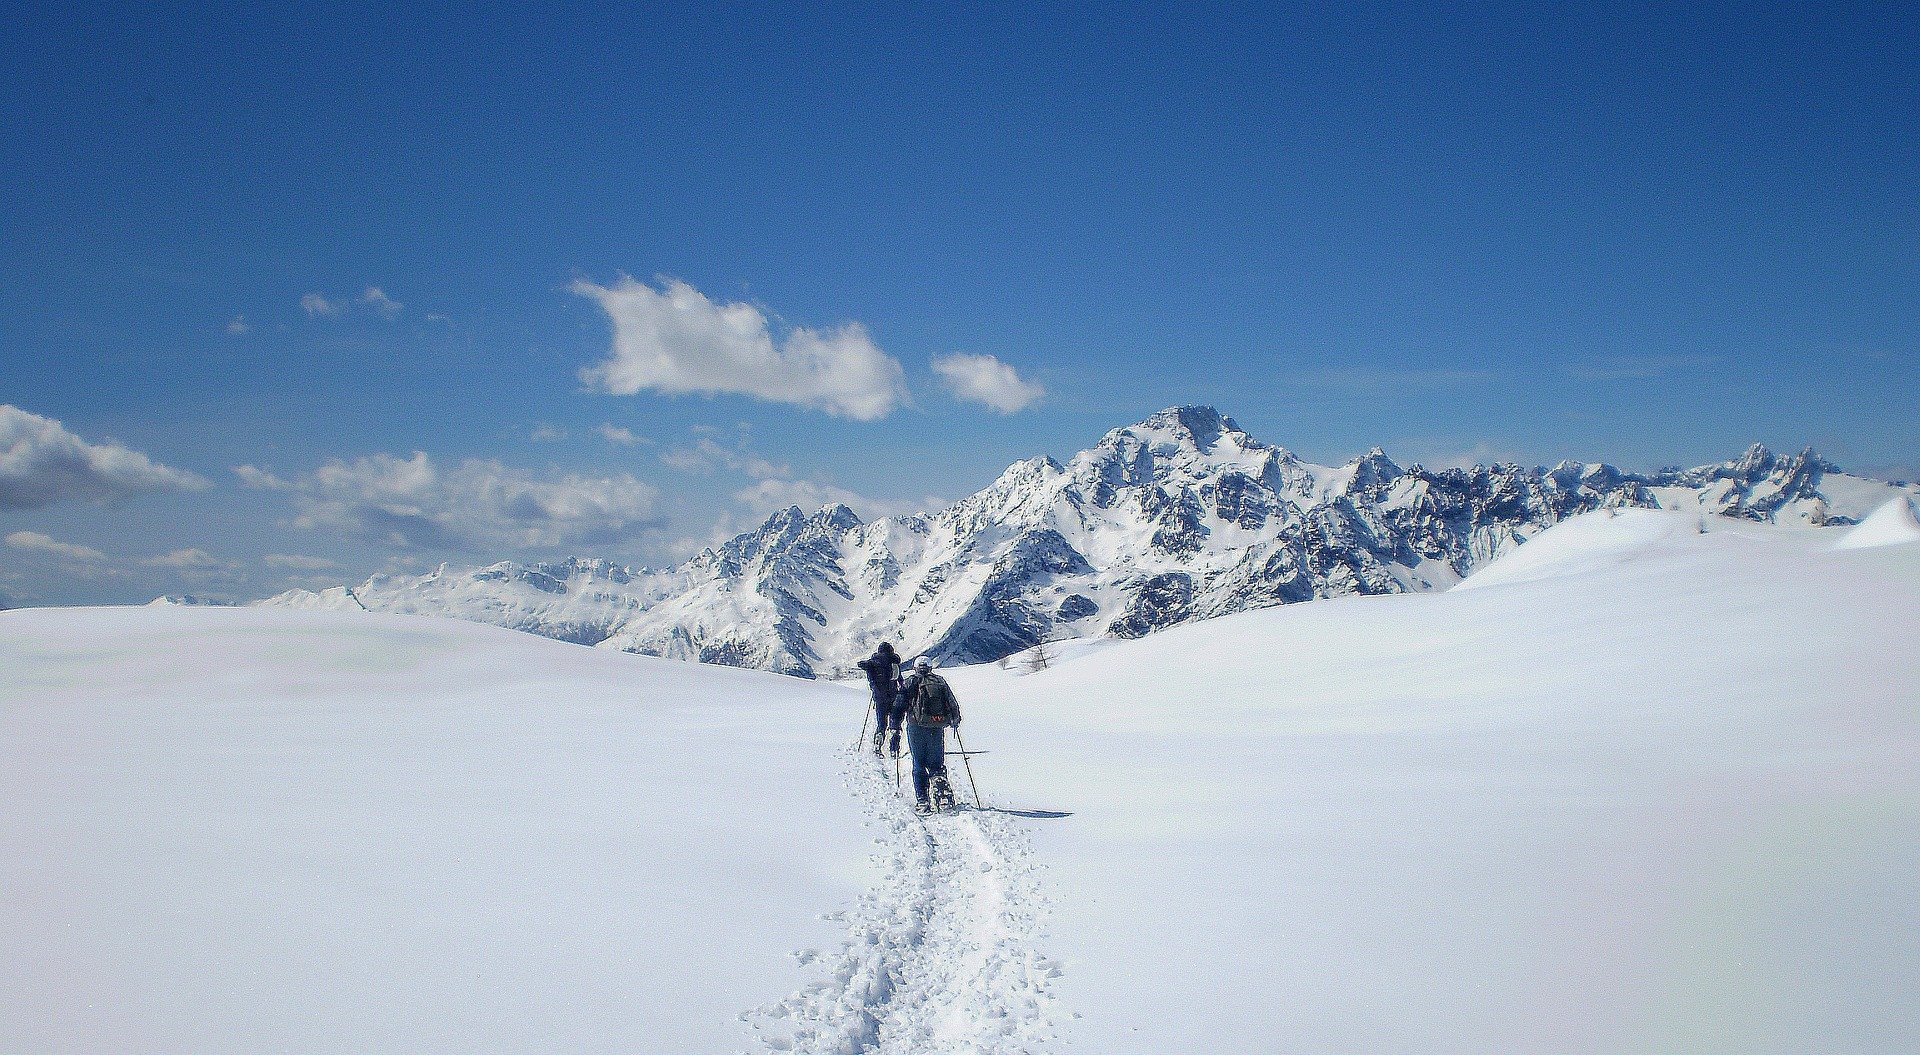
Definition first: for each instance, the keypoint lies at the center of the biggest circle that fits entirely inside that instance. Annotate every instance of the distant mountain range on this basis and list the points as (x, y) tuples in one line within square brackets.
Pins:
[(1180, 517)]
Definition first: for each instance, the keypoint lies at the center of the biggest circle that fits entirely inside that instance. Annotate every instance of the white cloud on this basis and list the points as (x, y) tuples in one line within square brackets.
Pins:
[(707, 454), (91, 571), (380, 302), (985, 379), (688, 459), (620, 435), (546, 434), (186, 559), (259, 479), (321, 306), (680, 549), (309, 580), (42, 463), (675, 340), (37, 542), (299, 562), (476, 505), (318, 306), (238, 326), (769, 495)]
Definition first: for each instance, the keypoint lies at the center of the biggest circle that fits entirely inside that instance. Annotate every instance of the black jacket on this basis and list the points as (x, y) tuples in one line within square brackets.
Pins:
[(883, 670)]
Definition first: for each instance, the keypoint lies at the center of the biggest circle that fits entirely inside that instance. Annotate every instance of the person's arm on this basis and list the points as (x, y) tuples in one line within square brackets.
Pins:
[(953, 703)]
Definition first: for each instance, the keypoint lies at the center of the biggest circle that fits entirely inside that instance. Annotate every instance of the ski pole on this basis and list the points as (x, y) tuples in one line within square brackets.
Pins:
[(968, 759), (868, 717)]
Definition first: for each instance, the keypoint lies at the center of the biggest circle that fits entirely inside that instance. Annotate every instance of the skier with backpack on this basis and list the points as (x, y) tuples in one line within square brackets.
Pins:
[(883, 680), (930, 709)]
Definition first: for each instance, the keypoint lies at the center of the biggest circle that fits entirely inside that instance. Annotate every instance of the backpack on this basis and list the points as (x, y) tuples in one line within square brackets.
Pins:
[(883, 670), (932, 701)]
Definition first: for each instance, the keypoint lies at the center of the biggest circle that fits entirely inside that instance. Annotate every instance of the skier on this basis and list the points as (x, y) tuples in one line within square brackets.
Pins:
[(883, 679), (930, 709)]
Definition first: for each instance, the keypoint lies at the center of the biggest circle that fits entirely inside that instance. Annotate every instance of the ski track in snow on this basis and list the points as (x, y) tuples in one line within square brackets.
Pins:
[(940, 956)]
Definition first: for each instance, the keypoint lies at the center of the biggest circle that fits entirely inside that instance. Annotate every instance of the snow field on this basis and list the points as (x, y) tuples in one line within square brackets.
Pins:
[(1665, 800), (1657, 791), (242, 831)]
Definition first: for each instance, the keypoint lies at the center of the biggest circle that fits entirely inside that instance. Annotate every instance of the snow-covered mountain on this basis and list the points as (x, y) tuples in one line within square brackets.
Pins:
[(1180, 517)]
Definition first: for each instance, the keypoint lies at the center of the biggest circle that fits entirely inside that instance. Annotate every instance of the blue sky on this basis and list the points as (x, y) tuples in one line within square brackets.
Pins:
[(1650, 235)]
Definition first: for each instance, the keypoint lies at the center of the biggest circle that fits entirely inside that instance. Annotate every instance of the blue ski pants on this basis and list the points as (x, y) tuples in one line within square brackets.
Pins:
[(928, 745), (883, 715)]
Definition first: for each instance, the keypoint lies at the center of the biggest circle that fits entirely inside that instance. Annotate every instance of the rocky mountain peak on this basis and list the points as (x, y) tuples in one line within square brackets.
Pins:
[(837, 517), (1755, 460), (1179, 446), (1199, 427), (780, 527), (1373, 470), (1811, 458)]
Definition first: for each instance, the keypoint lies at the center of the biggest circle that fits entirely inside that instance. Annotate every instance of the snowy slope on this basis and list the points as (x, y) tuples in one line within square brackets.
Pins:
[(1664, 801), (1179, 517), (252, 830), (1659, 793), (1892, 524), (1591, 542)]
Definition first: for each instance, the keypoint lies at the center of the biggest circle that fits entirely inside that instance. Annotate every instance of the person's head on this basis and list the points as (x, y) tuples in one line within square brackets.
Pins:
[(887, 647), (924, 664)]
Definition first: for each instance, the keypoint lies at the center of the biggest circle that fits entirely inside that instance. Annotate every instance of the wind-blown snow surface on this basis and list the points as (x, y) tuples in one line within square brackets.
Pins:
[(1669, 803), (1896, 522), (1665, 801), (1585, 543), (249, 830)]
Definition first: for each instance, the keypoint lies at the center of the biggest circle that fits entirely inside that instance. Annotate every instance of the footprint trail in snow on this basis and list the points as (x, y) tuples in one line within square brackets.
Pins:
[(940, 955)]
